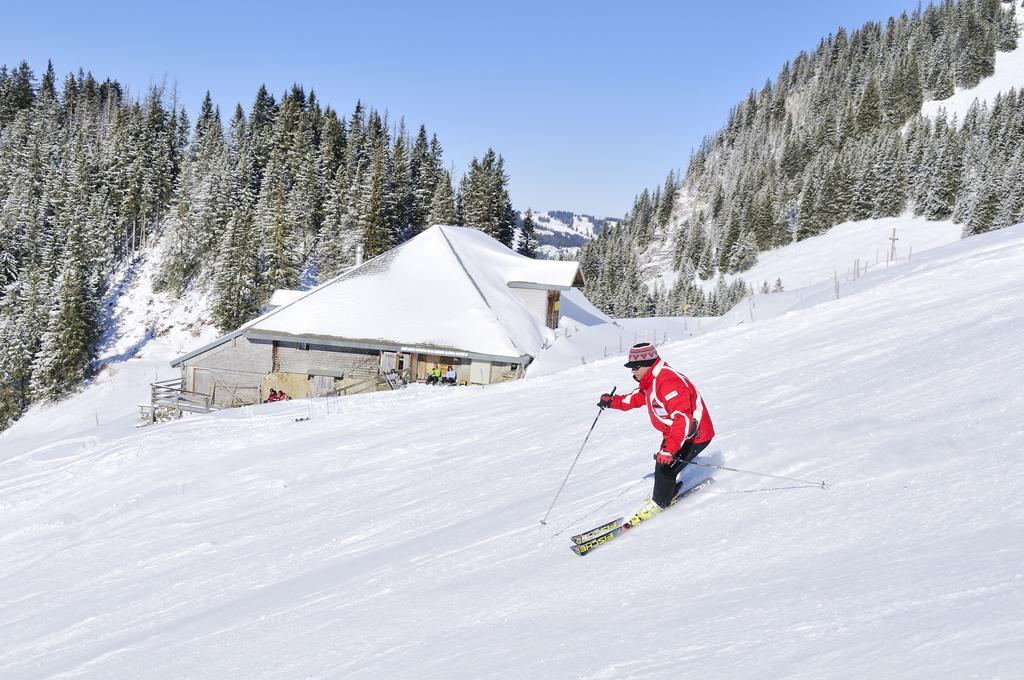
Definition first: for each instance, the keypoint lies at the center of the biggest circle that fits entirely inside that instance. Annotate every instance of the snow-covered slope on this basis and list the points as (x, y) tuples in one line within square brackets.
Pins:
[(846, 248), (397, 535)]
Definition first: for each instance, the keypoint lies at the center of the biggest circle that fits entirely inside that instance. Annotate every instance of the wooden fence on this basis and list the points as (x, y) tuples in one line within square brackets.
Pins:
[(167, 398)]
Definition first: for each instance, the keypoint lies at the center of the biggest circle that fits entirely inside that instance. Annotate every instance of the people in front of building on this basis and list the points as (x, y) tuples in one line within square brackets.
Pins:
[(449, 376), (273, 396), (434, 377)]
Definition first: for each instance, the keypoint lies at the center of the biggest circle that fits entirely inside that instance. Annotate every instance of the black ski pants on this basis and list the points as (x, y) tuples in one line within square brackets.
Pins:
[(665, 475)]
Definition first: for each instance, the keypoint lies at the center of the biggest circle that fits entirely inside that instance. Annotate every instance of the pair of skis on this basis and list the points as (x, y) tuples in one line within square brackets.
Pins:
[(589, 540)]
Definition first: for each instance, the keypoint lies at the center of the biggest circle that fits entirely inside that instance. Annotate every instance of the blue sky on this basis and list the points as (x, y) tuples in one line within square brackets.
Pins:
[(589, 102)]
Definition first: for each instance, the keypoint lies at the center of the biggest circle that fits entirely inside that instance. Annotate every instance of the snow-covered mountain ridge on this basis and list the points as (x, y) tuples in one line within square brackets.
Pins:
[(561, 232), (397, 534)]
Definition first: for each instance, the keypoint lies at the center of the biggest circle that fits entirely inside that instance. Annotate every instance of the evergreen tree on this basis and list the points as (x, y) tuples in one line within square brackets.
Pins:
[(23, 316), (442, 205), (378, 234), (891, 197), (66, 347), (731, 234), (1006, 39), (943, 183), (668, 199), (423, 180), (339, 233), (1011, 192), (528, 240), (279, 254), (402, 194), (484, 197), (744, 253), (304, 205), (983, 218), (236, 292)]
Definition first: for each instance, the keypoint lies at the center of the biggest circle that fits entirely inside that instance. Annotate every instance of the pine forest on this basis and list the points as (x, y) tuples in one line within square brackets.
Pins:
[(276, 197), (837, 136)]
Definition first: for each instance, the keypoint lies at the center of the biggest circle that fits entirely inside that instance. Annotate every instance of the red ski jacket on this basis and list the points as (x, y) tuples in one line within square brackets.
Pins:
[(673, 403)]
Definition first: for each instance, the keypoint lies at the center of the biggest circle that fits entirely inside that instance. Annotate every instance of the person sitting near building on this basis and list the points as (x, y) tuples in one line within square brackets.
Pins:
[(449, 376), (273, 396), (281, 396), (434, 377)]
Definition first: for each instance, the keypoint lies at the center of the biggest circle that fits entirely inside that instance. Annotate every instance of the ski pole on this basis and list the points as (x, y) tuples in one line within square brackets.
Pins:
[(751, 472), (599, 412)]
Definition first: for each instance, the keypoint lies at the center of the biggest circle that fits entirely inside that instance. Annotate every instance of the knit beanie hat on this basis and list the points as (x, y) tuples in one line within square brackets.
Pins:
[(642, 354)]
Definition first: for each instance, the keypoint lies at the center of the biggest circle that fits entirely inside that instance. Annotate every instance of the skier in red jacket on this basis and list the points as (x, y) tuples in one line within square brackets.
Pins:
[(677, 411)]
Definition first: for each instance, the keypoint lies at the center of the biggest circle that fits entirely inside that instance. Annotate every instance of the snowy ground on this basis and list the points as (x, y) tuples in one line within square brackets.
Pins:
[(397, 535), (845, 248)]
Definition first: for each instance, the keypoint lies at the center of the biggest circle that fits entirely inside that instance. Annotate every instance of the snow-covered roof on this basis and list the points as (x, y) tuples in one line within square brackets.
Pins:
[(449, 288), (284, 296)]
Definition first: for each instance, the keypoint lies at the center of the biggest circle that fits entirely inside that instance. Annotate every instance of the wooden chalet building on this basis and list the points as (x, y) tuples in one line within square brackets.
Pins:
[(451, 296)]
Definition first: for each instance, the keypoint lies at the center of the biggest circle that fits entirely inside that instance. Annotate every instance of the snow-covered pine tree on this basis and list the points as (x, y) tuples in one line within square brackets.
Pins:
[(983, 217), (891, 197), (378, 235), (528, 240), (67, 346), (236, 291), (304, 205), (442, 204), (484, 197), (1008, 32), (23, 316), (423, 178), (401, 194), (1011, 203), (744, 252), (199, 212)]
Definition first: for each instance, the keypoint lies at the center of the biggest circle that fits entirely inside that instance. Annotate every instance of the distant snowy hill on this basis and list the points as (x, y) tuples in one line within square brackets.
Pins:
[(562, 232), (397, 535)]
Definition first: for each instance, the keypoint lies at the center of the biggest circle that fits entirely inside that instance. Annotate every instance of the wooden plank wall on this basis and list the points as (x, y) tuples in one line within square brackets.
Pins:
[(237, 370)]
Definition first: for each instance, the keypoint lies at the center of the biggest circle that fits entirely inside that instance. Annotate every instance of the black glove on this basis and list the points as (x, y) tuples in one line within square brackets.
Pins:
[(605, 401)]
